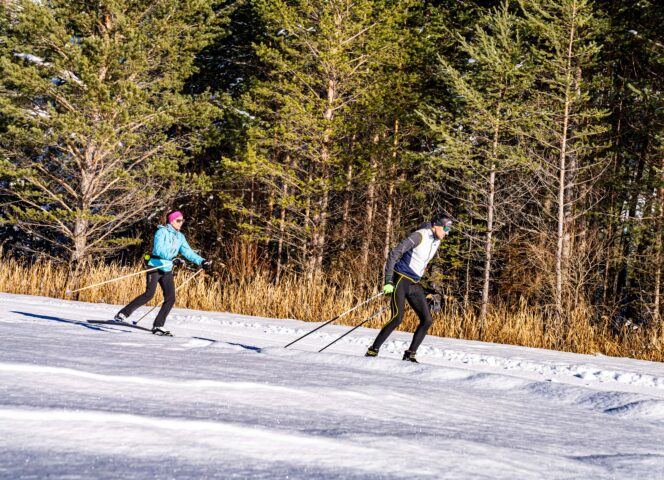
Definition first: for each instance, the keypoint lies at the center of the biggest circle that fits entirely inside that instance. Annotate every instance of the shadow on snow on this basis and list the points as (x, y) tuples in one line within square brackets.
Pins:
[(114, 327), (98, 328)]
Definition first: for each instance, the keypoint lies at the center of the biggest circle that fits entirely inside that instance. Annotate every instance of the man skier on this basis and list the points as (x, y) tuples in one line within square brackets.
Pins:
[(404, 268)]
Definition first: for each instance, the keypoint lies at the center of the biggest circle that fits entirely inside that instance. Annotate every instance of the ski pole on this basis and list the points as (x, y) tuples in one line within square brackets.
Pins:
[(69, 292), (334, 319), (183, 284), (354, 328)]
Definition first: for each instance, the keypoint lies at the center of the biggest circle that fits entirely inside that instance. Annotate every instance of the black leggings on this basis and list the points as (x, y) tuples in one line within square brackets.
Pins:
[(406, 289), (165, 279)]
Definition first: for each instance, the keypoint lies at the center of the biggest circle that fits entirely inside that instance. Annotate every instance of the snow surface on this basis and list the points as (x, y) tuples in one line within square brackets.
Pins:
[(224, 399)]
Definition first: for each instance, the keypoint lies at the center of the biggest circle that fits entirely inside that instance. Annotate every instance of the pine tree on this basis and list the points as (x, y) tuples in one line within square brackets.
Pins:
[(323, 58), (97, 124), (479, 151), (566, 144), (632, 209)]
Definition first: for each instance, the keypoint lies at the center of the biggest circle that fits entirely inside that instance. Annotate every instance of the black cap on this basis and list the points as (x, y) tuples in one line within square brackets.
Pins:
[(441, 221)]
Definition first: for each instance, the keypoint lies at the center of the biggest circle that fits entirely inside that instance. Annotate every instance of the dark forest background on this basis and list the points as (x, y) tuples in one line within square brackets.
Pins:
[(305, 138)]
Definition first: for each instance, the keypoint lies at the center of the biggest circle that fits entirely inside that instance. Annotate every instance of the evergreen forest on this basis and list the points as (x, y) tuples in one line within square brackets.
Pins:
[(303, 139)]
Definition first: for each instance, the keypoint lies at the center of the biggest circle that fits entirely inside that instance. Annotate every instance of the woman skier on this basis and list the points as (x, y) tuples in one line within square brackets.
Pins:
[(404, 268), (168, 243)]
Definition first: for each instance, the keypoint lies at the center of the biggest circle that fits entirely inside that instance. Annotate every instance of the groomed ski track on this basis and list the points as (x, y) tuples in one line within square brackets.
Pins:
[(223, 399)]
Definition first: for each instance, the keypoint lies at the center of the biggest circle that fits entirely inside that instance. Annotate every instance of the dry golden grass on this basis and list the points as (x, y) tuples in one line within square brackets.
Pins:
[(252, 292)]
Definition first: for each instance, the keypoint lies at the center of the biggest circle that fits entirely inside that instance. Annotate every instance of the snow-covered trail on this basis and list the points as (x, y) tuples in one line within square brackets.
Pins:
[(223, 399)]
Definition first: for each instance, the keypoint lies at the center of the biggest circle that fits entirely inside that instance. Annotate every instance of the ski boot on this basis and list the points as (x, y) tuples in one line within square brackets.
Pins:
[(161, 332), (371, 352), (409, 356), (120, 317)]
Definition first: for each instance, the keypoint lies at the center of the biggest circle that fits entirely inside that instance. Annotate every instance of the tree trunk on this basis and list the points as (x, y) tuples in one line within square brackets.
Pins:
[(322, 221), (466, 294), (560, 234), (320, 218), (370, 207), (282, 224), (658, 269), (345, 216), (609, 253), (78, 254), (81, 223), (561, 247), (628, 247), (399, 205), (488, 247), (270, 212), (659, 255), (80, 240), (390, 192), (307, 240)]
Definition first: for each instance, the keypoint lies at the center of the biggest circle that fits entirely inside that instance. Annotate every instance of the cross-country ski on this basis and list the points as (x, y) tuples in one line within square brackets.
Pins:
[(118, 324)]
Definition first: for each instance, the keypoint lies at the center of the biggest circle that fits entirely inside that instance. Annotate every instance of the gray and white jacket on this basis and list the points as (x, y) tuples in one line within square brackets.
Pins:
[(411, 257)]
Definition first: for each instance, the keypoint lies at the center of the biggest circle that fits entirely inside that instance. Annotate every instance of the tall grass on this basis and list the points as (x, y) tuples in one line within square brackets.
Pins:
[(253, 292)]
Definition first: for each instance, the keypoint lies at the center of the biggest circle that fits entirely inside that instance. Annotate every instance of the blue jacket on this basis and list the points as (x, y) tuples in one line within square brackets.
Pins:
[(168, 243)]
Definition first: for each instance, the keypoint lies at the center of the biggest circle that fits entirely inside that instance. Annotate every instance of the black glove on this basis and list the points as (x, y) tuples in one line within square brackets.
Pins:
[(178, 262), (434, 301), (207, 265)]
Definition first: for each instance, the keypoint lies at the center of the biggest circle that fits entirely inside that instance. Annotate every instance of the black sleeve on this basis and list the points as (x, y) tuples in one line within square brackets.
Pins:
[(410, 242)]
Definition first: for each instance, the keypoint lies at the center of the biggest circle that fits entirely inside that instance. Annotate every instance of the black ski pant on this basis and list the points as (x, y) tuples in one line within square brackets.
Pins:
[(407, 289), (165, 279)]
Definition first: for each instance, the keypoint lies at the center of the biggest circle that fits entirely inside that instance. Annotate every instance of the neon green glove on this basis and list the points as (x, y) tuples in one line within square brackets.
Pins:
[(388, 289)]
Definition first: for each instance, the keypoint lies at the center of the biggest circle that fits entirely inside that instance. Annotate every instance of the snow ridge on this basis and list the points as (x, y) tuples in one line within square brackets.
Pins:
[(585, 372)]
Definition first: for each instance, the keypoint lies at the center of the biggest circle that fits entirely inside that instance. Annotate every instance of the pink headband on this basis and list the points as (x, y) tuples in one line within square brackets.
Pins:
[(174, 215)]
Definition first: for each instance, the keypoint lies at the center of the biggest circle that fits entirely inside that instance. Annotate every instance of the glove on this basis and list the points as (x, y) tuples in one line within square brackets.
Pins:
[(434, 302), (207, 265), (388, 288), (178, 262)]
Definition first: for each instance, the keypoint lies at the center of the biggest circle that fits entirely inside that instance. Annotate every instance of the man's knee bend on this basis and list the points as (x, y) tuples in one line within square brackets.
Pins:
[(427, 321), (397, 321), (169, 302)]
